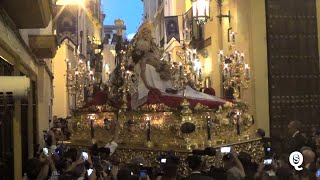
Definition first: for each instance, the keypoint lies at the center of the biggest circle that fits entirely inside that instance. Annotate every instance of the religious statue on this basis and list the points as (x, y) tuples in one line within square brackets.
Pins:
[(154, 74)]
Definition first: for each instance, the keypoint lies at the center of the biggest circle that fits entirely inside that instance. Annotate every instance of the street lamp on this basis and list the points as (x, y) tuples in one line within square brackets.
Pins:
[(67, 2), (201, 10), (64, 3)]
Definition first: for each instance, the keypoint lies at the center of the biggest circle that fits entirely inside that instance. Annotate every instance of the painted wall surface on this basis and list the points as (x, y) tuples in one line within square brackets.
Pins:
[(249, 24), (44, 101), (60, 100)]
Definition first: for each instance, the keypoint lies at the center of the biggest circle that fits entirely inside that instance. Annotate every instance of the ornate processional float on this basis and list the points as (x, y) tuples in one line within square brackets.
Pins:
[(158, 105)]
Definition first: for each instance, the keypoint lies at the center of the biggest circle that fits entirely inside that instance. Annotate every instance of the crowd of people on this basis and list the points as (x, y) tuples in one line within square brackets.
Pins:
[(59, 162)]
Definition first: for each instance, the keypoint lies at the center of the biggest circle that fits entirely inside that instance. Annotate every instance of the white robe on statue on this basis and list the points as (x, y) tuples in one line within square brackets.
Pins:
[(154, 80)]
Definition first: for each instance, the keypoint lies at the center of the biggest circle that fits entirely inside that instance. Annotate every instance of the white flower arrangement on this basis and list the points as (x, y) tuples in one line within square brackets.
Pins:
[(225, 121)]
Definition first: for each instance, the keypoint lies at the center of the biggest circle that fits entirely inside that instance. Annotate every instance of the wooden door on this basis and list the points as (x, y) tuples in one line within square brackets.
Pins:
[(293, 64), (6, 127)]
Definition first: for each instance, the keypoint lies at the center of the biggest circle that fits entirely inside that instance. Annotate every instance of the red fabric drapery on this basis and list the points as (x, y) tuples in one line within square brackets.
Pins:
[(155, 97)]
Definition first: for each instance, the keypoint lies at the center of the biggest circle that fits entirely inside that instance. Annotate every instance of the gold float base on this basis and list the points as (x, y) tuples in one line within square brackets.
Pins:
[(151, 155)]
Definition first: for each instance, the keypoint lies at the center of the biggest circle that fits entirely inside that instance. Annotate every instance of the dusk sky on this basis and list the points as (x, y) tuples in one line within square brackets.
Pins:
[(128, 10)]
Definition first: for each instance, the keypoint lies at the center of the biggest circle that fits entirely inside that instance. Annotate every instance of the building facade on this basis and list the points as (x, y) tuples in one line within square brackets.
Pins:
[(79, 42), (27, 46), (110, 33)]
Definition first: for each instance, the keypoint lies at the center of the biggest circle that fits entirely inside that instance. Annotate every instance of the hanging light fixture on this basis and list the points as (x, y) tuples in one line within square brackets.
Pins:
[(201, 10)]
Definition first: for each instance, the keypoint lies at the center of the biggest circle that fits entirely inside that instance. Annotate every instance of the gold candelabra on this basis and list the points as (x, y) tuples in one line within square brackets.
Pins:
[(236, 73), (187, 73), (78, 77), (130, 81)]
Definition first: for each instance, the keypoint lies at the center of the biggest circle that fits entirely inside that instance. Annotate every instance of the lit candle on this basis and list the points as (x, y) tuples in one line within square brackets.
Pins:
[(238, 123), (220, 56), (188, 55), (180, 69), (209, 128), (148, 129), (242, 58), (238, 127), (233, 37), (247, 71), (252, 119), (91, 118), (91, 75), (76, 74), (226, 72), (236, 56), (194, 53)]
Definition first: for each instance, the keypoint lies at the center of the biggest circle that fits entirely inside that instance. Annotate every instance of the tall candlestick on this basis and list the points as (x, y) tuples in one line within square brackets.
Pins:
[(148, 129), (238, 127), (233, 37), (209, 128), (242, 58), (91, 75), (194, 54), (180, 69), (92, 128), (226, 71), (220, 56), (246, 71), (91, 118), (76, 74), (236, 56)]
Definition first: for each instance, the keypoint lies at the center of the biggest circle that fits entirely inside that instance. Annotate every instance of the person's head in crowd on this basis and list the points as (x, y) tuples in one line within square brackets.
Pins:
[(194, 162), (63, 123), (137, 161), (67, 176), (248, 165), (63, 164), (104, 153), (124, 174), (245, 158), (170, 171), (33, 168), (72, 153), (283, 173), (48, 140), (260, 133), (309, 157), (228, 161), (268, 176), (78, 170), (305, 174), (294, 126), (55, 158), (56, 122), (283, 161), (55, 118)]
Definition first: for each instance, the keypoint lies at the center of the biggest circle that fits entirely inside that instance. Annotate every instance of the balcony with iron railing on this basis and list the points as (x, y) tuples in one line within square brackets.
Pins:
[(28, 14)]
